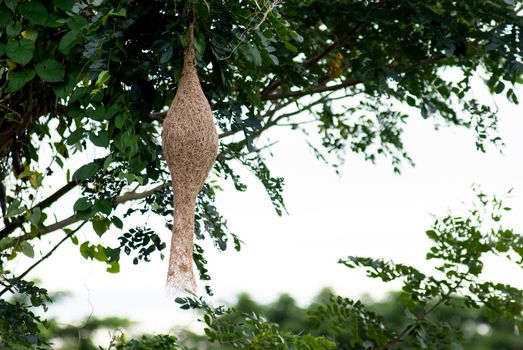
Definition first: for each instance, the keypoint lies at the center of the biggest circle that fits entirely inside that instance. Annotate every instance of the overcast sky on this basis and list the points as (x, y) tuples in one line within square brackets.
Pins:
[(367, 211)]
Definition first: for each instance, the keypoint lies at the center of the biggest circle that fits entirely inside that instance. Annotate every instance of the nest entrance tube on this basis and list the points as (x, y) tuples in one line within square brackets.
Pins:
[(190, 146)]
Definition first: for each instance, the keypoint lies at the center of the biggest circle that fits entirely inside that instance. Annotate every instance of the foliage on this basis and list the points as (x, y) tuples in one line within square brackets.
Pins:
[(156, 342), (440, 310), (80, 78), (458, 246), (19, 325), (477, 331)]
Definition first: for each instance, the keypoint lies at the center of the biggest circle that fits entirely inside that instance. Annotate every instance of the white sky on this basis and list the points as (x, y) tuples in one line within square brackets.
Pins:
[(368, 211)]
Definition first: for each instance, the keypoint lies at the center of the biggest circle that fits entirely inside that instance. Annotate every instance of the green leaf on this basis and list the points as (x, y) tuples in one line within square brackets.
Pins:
[(5, 15), (120, 13), (65, 89), (103, 78), (14, 209), (411, 101), (86, 171), (30, 34), (60, 162), (499, 88), (107, 162), (77, 23), (53, 21), (117, 222), (251, 53), (432, 234), (13, 29), (36, 215), (12, 4), (98, 252), (50, 70), (120, 120), (101, 139), (20, 51), (112, 254), (290, 47), (274, 59), (27, 249), (75, 136), (77, 93), (137, 165), (82, 204), (100, 225), (85, 215), (166, 55), (17, 79), (84, 250), (64, 5), (33, 11), (104, 206), (114, 267), (74, 240), (68, 41)]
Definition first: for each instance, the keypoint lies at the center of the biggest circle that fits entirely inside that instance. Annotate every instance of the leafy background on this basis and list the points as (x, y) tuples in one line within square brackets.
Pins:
[(86, 83)]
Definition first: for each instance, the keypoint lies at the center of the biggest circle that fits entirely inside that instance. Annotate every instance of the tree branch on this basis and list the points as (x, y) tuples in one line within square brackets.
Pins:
[(409, 328), (18, 222), (132, 196), (425, 61), (347, 83), (276, 82), (314, 59), (129, 196), (313, 90), (9, 288)]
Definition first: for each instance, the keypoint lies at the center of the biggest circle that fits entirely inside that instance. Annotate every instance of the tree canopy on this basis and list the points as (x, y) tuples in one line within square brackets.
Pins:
[(91, 80)]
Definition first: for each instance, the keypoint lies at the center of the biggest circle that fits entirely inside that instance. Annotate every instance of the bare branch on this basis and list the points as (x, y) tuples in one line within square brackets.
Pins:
[(132, 196)]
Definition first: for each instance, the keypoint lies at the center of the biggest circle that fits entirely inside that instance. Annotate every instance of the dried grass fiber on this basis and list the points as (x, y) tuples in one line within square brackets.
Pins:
[(190, 145)]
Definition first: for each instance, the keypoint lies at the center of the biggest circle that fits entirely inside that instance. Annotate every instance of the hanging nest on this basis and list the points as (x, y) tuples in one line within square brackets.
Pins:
[(190, 145)]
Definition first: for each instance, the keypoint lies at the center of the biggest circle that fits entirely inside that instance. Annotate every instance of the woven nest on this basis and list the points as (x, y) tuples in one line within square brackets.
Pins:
[(190, 145)]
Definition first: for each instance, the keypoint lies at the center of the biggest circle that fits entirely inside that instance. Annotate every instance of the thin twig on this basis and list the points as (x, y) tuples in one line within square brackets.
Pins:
[(314, 59), (18, 222), (12, 110), (347, 83), (424, 315), (313, 90), (132, 195), (129, 196), (411, 327), (68, 235)]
